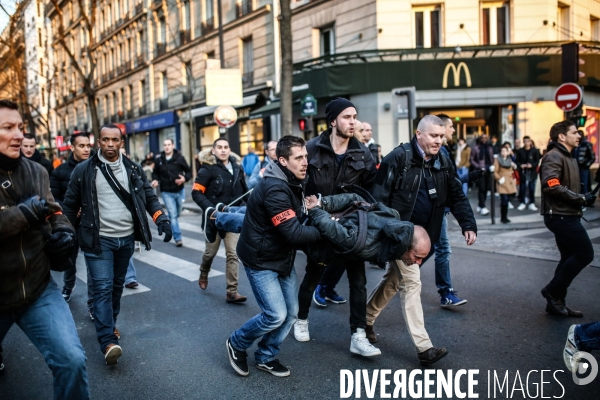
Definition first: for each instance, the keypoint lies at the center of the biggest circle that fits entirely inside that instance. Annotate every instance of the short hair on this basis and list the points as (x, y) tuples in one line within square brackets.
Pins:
[(558, 128), (285, 144), (444, 117), (29, 136), (527, 137), (11, 105), (172, 142), (110, 126), (221, 138), (428, 121), (78, 134), (509, 144)]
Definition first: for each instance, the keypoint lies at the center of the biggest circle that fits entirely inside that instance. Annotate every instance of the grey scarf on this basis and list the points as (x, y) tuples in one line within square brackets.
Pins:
[(505, 162)]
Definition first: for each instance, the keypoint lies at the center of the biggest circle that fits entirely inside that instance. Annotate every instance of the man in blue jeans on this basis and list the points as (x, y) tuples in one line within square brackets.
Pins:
[(107, 188), (171, 171), (272, 233), (29, 297)]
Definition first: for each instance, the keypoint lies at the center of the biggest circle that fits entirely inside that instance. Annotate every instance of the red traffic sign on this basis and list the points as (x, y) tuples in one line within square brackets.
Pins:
[(225, 116), (568, 96)]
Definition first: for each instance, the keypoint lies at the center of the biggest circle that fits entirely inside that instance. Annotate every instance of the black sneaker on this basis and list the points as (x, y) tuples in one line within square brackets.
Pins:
[(207, 213), (274, 368), (66, 293), (237, 359)]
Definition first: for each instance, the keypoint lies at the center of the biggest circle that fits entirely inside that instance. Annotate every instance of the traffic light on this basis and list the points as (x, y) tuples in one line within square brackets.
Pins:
[(571, 63), (578, 117), (303, 124)]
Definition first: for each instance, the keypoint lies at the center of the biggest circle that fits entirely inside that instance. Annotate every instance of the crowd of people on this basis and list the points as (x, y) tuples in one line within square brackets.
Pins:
[(334, 197)]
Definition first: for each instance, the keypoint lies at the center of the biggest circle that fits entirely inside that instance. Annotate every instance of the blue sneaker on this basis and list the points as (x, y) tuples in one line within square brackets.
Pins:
[(332, 296), (319, 296), (449, 299)]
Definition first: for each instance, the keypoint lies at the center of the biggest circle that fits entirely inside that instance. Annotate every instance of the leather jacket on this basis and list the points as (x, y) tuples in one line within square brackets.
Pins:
[(560, 183)]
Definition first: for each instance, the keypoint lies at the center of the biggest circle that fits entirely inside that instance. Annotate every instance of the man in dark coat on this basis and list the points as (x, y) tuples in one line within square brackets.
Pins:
[(527, 160), (29, 151)]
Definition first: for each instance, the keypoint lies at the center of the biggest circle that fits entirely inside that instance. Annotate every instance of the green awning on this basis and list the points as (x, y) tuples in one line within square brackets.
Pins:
[(267, 110)]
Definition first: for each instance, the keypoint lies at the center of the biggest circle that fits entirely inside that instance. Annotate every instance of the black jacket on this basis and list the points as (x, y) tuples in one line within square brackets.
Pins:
[(584, 154), (165, 172), (81, 193), (272, 230), (324, 174), (60, 177), (398, 188), (214, 184), (523, 157), (43, 161)]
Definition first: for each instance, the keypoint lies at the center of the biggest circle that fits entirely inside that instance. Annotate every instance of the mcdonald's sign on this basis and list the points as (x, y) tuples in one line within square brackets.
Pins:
[(456, 74)]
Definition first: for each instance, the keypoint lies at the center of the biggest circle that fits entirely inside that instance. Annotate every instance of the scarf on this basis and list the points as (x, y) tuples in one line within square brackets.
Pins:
[(505, 162), (116, 166), (9, 164)]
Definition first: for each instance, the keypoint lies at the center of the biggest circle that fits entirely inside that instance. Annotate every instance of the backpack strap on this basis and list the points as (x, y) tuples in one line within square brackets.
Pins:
[(361, 239), (408, 156)]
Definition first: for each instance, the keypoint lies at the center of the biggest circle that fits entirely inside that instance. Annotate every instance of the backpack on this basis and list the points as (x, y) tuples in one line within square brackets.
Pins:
[(408, 156)]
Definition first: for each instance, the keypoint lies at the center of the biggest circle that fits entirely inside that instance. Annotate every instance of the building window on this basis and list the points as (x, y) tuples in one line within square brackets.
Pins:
[(164, 85), (327, 41), (142, 93), (41, 66), (186, 73), (563, 22), (594, 29), (40, 37), (129, 97), (495, 25), (427, 26), (186, 15), (43, 92), (247, 62)]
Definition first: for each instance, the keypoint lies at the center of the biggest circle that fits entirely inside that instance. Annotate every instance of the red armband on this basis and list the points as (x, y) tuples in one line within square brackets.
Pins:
[(156, 215), (198, 187), (283, 216)]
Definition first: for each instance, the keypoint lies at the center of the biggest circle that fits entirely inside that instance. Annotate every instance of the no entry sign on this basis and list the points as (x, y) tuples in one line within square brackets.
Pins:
[(568, 96)]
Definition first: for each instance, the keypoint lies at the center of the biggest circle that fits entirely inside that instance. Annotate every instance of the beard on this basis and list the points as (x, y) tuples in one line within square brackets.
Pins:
[(343, 135)]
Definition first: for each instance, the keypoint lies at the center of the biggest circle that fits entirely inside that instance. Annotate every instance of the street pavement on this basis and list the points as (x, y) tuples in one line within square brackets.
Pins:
[(173, 334)]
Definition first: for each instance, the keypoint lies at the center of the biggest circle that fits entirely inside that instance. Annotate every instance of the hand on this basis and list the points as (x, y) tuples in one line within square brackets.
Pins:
[(180, 180), (475, 175), (311, 202), (154, 183), (502, 180), (590, 199), (35, 210), (60, 243), (261, 173), (165, 226), (470, 237), (491, 168)]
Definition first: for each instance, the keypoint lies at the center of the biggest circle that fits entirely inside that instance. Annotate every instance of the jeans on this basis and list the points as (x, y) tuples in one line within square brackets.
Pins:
[(587, 336), (276, 297), (173, 204), (107, 272), (442, 252), (576, 251), (357, 281), (484, 184), (49, 325), (504, 199), (70, 275), (584, 179), (232, 220), (131, 275), (527, 189), (465, 186)]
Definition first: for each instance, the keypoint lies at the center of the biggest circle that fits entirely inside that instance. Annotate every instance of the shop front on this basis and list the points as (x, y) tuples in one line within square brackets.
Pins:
[(147, 134)]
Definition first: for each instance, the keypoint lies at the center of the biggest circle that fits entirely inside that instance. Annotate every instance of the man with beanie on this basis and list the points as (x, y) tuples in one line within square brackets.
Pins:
[(337, 159)]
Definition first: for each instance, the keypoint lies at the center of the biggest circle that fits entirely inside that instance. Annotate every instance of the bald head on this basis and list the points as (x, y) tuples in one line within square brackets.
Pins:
[(419, 247), (367, 132), (358, 130)]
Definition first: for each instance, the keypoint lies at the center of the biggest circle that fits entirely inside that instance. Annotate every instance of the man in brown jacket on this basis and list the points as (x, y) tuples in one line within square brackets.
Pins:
[(29, 296), (561, 207)]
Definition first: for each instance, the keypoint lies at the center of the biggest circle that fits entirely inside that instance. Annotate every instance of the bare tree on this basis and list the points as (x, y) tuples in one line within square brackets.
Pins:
[(285, 26)]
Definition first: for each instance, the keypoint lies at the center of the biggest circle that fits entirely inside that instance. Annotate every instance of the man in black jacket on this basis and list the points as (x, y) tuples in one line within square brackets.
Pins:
[(29, 151), (171, 171), (113, 196), (419, 183), (585, 156), (272, 233), (338, 159), (59, 181), (527, 160), (219, 182)]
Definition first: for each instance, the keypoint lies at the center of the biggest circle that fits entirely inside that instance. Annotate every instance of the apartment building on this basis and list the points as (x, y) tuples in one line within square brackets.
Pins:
[(149, 58), (493, 66)]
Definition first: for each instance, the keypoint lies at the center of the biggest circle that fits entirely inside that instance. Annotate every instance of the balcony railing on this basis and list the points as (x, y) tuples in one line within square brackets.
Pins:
[(185, 36), (243, 7), (120, 69), (139, 8), (163, 104), (161, 48), (111, 74), (139, 60), (185, 98), (142, 110), (208, 26), (129, 114), (248, 79)]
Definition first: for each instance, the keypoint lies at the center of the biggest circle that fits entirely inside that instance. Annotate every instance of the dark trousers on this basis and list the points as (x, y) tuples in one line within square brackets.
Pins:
[(70, 275), (527, 189), (357, 281), (504, 199), (584, 178), (332, 276), (484, 185), (576, 251)]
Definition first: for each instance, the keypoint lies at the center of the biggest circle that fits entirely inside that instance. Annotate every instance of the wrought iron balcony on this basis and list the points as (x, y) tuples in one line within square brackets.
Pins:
[(208, 25), (185, 36), (161, 48)]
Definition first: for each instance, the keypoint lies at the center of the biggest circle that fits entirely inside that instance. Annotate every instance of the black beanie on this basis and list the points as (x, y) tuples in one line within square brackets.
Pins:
[(335, 107)]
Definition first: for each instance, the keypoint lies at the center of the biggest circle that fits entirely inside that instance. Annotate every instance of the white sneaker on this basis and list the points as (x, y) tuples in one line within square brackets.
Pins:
[(571, 355), (360, 344), (521, 207), (532, 207), (510, 206), (478, 209), (301, 330), (485, 211)]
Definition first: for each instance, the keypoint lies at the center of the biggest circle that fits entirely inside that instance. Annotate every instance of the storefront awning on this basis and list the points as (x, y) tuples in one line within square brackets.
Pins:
[(206, 110), (267, 110)]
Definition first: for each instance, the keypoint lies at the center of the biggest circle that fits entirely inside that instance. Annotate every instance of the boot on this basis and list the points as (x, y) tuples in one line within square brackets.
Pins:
[(503, 214)]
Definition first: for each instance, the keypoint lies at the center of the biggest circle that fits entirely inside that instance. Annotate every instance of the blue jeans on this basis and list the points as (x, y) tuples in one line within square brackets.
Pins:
[(442, 252), (587, 336), (107, 272), (173, 203), (465, 186), (131, 275), (277, 297), (49, 325), (232, 220), (527, 189)]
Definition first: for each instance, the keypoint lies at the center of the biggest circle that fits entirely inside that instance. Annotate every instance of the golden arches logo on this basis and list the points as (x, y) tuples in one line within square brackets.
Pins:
[(456, 74)]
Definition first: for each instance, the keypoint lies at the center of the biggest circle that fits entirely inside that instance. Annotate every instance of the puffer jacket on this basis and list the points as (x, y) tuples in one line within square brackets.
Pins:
[(387, 239), (60, 178), (560, 182), (214, 183), (24, 267), (272, 229)]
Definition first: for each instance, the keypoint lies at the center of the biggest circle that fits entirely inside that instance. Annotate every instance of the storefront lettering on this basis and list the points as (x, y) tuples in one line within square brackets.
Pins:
[(456, 74)]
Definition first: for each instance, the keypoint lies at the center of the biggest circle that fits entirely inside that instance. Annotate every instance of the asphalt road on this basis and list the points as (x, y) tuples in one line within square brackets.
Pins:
[(173, 336)]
